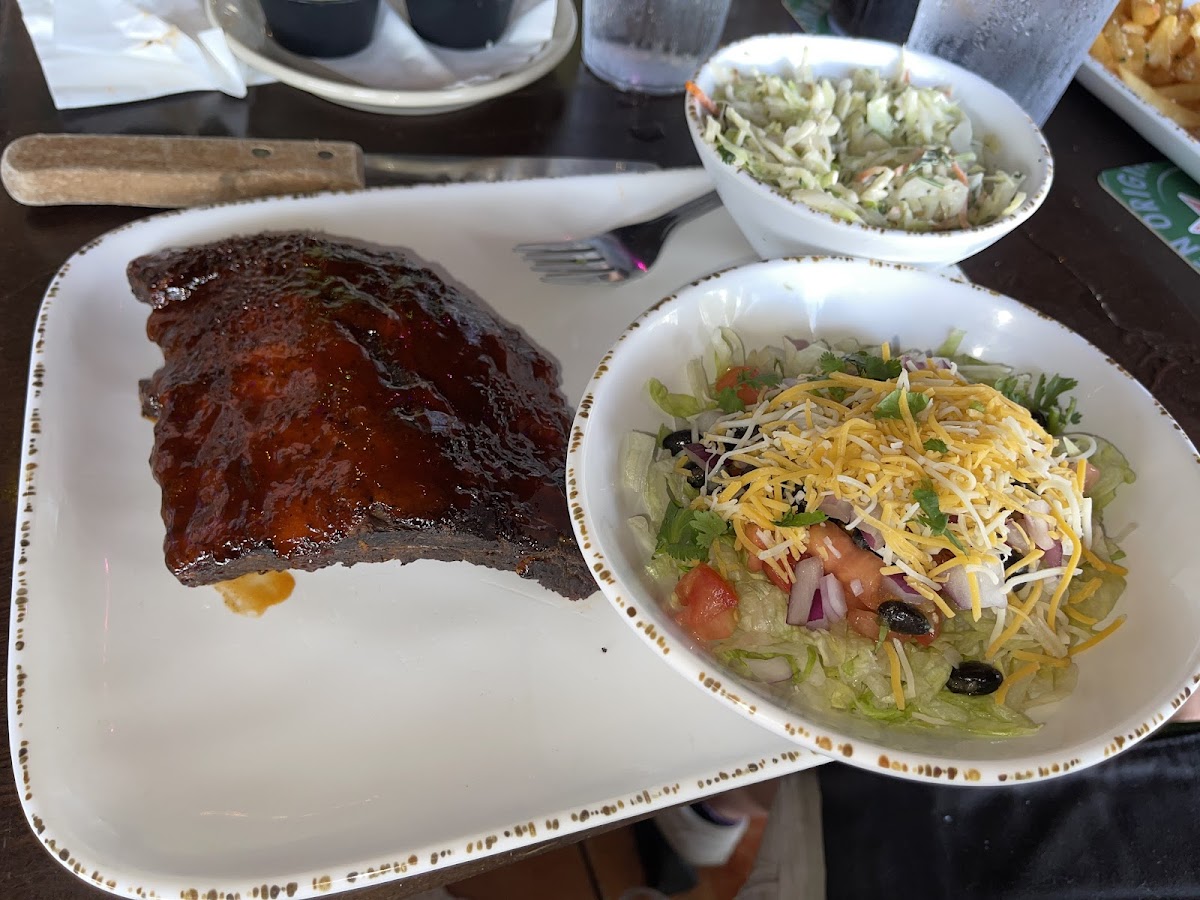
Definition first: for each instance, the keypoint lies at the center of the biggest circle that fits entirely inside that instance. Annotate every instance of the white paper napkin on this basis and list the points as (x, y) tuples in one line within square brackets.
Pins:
[(99, 52)]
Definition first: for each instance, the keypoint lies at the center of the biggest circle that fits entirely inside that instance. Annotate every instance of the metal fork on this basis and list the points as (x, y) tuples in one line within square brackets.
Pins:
[(614, 256)]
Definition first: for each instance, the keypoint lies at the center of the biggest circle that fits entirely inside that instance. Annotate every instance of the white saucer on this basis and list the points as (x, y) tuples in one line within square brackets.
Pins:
[(245, 30)]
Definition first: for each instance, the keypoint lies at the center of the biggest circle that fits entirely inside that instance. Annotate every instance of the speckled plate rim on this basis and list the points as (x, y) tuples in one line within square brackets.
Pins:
[(406, 862), (997, 228), (705, 675), (400, 102)]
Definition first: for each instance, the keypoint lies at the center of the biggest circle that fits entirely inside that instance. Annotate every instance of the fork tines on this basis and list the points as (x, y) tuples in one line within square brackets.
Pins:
[(568, 263)]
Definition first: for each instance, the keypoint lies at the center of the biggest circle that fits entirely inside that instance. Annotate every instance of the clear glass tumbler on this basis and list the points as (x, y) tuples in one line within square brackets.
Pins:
[(1028, 48), (652, 46)]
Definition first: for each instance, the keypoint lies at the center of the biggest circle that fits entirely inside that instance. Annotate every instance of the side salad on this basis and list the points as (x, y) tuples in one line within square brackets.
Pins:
[(864, 148), (912, 537)]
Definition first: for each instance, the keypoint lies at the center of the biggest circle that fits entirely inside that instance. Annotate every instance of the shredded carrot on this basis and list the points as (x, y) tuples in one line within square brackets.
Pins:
[(959, 173), (702, 98)]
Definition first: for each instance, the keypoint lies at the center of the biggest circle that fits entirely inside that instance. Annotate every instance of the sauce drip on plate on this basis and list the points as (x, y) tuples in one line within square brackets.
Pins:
[(252, 594)]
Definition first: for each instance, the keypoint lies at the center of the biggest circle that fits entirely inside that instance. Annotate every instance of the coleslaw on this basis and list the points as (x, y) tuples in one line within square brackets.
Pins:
[(913, 537), (862, 148)]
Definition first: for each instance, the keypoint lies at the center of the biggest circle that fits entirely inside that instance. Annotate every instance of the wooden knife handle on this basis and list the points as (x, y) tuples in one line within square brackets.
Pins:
[(148, 170)]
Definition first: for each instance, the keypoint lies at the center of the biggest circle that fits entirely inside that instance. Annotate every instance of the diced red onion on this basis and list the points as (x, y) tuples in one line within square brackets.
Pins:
[(841, 510), (700, 454), (799, 343), (856, 587), (1017, 541), (772, 670), (818, 624), (1036, 528), (834, 598), (817, 613), (1053, 557), (808, 574), (872, 536), (958, 588), (897, 587)]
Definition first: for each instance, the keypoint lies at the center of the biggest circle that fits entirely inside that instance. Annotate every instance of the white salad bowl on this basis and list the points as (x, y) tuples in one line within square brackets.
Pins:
[(778, 226), (1129, 683)]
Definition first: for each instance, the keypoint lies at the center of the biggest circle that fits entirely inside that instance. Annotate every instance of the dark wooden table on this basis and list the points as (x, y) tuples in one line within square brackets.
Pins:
[(1082, 259)]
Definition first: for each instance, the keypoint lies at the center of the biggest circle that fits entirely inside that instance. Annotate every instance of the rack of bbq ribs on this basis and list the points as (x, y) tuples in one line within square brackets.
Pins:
[(321, 402)]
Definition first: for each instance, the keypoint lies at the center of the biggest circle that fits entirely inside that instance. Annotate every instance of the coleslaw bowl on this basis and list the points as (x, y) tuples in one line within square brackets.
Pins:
[(1129, 683), (776, 225)]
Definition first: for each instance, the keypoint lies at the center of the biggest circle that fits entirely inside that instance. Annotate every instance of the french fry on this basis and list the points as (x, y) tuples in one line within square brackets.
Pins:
[(1154, 47), (1181, 93), (1179, 114)]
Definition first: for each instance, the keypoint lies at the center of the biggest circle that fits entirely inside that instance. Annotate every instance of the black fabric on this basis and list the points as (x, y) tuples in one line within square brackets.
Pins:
[(665, 870), (1129, 827)]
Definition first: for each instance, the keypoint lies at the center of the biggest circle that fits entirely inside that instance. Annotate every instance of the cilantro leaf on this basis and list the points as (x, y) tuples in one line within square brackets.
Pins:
[(932, 516), (760, 379), (874, 367), (935, 445), (830, 363), (977, 406), (889, 406), (1043, 401), (708, 526), (675, 534), (729, 401), (685, 534), (797, 519), (837, 394)]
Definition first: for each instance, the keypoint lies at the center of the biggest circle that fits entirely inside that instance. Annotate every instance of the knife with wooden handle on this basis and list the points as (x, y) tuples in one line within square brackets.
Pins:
[(160, 171)]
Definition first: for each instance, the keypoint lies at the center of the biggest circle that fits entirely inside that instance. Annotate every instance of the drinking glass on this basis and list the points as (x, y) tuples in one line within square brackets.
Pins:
[(883, 20), (1028, 48), (652, 46)]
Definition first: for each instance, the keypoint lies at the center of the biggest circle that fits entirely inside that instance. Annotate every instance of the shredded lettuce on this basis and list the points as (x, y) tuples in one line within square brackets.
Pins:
[(834, 669), (1114, 472)]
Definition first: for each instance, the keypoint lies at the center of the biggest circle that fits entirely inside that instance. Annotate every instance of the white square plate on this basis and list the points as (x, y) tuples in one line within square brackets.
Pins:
[(385, 720)]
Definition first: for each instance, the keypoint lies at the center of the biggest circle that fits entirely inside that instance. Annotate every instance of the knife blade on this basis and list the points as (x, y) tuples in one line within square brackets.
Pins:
[(164, 171)]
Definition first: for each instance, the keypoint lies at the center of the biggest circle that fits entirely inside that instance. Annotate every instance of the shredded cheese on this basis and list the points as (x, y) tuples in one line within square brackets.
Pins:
[(1024, 672), (1097, 637), (894, 667)]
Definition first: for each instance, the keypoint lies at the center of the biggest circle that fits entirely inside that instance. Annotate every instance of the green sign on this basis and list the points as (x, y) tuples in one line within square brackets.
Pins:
[(812, 15), (1165, 199)]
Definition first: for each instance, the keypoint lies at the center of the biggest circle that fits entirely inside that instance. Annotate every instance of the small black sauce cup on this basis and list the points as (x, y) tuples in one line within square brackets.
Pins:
[(459, 24), (324, 28)]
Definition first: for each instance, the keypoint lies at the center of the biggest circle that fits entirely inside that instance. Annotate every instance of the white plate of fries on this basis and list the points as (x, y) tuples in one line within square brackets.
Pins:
[(1145, 66)]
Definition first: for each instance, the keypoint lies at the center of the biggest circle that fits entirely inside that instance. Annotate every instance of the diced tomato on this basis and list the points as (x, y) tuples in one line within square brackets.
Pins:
[(935, 619), (850, 563), (864, 622), (754, 564), (736, 377), (709, 604)]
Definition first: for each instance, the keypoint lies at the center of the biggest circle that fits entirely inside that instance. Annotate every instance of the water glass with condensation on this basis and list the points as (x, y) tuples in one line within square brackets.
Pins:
[(1028, 48), (652, 46)]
